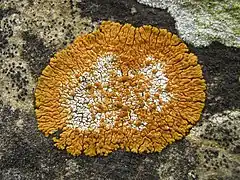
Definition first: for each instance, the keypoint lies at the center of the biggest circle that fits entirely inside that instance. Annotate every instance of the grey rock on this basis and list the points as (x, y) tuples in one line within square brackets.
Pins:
[(32, 31)]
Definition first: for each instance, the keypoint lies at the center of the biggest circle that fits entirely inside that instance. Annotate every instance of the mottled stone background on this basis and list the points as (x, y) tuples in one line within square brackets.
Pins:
[(33, 30)]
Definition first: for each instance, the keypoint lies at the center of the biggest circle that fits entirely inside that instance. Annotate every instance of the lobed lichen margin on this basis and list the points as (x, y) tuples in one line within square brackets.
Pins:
[(133, 49)]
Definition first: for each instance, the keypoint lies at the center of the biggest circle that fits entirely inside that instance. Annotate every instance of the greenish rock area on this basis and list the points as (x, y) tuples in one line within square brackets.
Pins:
[(201, 22), (32, 32)]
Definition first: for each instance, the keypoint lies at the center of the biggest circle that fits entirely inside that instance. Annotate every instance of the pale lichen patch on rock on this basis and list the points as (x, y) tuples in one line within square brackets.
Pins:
[(218, 139), (202, 22), (17, 84), (29, 31), (38, 16)]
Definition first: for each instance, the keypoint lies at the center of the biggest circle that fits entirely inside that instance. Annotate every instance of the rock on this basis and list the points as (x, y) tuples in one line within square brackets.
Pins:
[(32, 31), (202, 22)]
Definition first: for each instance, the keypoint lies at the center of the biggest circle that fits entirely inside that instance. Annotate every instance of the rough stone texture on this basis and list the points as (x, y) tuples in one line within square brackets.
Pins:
[(210, 151), (205, 21)]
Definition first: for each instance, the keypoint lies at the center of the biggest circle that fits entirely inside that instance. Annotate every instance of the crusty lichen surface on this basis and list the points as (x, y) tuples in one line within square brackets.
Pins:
[(218, 142), (202, 22), (30, 33), (120, 87)]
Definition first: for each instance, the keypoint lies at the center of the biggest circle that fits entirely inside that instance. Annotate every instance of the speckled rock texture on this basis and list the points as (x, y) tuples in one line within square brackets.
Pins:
[(32, 31), (205, 21)]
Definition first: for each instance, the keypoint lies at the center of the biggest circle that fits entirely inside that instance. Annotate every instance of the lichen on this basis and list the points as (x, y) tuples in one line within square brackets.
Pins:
[(218, 139), (30, 32), (202, 22), (120, 87)]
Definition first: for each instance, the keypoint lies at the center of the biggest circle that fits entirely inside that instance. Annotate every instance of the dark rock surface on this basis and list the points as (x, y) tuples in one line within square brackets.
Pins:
[(126, 12), (32, 31)]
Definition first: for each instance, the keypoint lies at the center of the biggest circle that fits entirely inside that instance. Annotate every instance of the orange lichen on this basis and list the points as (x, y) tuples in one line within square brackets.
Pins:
[(120, 87)]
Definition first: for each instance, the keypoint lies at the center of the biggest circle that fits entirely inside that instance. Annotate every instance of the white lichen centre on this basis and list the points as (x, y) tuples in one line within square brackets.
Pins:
[(105, 95)]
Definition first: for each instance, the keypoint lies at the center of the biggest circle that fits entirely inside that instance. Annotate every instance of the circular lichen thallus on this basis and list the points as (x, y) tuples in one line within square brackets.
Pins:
[(120, 87)]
